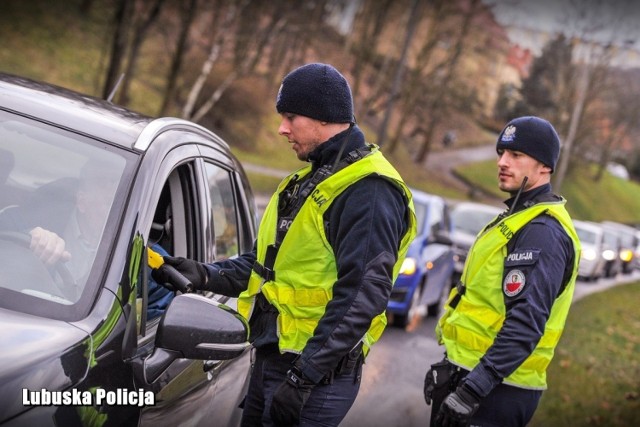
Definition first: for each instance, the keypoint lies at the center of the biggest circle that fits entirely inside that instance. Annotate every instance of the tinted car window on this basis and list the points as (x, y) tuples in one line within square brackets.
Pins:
[(421, 213), (223, 211), (587, 236), (63, 183), (470, 221)]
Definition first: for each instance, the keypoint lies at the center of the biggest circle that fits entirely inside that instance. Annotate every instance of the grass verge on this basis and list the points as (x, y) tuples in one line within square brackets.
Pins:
[(594, 379)]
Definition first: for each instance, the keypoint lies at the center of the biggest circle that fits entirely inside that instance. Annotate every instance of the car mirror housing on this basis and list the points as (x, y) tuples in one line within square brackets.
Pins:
[(195, 327)]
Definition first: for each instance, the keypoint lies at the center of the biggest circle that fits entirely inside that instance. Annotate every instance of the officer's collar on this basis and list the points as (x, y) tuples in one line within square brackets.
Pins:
[(327, 152), (527, 197)]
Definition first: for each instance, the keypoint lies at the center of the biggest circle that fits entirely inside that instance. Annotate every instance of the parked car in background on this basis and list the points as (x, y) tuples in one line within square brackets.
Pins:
[(468, 219), (112, 182), (628, 244), (592, 262), (425, 276), (611, 252)]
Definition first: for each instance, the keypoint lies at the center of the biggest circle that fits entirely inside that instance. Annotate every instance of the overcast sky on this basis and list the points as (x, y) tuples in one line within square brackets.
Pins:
[(606, 19), (601, 20)]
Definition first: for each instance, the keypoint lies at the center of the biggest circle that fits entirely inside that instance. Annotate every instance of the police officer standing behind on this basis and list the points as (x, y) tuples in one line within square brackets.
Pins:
[(329, 248), (504, 319)]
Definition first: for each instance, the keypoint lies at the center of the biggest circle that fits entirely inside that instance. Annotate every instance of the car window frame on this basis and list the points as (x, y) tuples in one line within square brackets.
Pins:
[(247, 216), (179, 167)]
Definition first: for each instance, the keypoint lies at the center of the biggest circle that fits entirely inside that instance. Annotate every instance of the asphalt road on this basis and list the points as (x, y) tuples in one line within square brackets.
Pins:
[(391, 392)]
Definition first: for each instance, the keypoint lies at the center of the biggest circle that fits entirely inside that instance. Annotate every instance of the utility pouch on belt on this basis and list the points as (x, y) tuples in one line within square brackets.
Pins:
[(349, 362), (440, 380)]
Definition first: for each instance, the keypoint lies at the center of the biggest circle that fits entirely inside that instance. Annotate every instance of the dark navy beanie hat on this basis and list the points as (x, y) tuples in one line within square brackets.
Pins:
[(533, 136), (318, 91)]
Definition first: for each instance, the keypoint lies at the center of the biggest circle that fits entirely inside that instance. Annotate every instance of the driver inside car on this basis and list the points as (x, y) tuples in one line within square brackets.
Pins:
[(63, 221), (76, 243)]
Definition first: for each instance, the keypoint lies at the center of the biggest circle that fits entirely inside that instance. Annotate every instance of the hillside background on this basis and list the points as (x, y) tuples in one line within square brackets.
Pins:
[(418, 69)]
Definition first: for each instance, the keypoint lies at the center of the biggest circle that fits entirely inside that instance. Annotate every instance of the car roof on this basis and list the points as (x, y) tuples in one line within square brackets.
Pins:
[(421, 196), (585, 225), (619, 226)]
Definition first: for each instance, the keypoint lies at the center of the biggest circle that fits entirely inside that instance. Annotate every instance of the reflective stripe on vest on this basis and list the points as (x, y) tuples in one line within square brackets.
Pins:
[(305, 265), (469, 330)]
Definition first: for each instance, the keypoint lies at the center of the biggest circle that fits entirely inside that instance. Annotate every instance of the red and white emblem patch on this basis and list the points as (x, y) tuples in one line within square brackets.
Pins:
[(513, 283)]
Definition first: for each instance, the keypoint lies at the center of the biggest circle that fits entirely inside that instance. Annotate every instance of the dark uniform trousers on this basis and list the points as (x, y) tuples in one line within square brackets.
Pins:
[(505, 406), (327, 405)]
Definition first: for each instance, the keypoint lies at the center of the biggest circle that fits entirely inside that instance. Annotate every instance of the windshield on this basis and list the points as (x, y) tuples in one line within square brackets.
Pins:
[(471, 221), (421, 208), (57, 190), (586, 236), (611, 239)]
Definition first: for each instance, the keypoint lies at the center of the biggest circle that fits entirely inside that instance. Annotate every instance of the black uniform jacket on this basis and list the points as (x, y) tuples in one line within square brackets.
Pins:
[(364, 226), (546, 275)]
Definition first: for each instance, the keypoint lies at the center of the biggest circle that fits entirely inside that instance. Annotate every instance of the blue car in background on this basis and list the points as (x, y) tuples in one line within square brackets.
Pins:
[(424, 281)]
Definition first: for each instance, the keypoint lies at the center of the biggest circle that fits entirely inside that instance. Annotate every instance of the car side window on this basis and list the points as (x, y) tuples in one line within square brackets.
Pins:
[(421, 213), (168, 236), (435, 220), (439, 221), (224, 218)]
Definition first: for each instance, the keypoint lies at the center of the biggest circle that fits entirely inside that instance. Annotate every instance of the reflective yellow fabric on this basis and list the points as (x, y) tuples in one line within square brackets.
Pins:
[(305, 266), (469, 330)]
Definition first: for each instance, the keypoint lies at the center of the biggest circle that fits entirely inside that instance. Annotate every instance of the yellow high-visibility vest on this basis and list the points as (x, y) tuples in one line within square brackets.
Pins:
[(469, 329), (305, 265)]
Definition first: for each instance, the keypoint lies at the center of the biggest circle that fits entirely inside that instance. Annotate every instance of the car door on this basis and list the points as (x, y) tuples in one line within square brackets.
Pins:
[(188, 391)]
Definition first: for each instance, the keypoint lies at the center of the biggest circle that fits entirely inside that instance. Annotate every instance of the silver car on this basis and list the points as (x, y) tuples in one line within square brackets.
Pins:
[(468, 219), (592, 262), (89, 338)]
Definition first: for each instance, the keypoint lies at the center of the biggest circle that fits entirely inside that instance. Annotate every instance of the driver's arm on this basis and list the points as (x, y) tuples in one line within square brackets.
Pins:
[(48, 246)]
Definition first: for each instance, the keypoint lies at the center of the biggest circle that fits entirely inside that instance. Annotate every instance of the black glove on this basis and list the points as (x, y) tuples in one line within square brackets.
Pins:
[(429, 385), (458, 408), (194, 271), (289, 399)]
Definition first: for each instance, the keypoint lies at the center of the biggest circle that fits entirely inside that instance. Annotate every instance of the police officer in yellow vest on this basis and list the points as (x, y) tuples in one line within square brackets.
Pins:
[(329, 248), (504, 319)]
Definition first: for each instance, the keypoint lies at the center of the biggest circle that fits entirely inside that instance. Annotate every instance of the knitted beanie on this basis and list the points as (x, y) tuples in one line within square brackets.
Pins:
[(318, 91), (533, 136)]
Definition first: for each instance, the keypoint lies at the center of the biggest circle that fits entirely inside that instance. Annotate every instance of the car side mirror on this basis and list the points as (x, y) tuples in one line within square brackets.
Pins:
[(196, 327)]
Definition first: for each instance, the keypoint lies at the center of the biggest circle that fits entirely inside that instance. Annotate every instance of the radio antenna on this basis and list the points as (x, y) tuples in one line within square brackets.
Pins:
[(515, 199)]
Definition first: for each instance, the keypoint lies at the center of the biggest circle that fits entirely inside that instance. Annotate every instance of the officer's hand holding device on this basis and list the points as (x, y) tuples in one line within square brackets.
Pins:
[(458, 408), (289, 398), (177, 273)]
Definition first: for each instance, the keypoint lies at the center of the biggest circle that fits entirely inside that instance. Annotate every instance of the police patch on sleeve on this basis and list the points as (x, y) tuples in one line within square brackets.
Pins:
[(514, 282), (522, 257)]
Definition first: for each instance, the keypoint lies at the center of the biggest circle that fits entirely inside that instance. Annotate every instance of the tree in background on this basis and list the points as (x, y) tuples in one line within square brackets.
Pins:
[(142, 19), (122, 19), (364, 45), (407, 83), (188, 11), (448, 93), (619, 111), (548, 90), (420, 82)]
